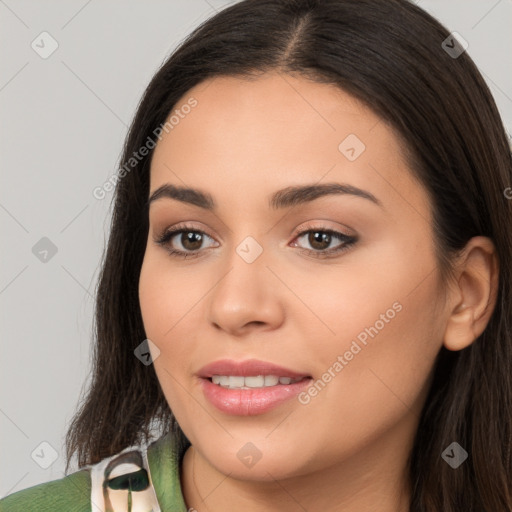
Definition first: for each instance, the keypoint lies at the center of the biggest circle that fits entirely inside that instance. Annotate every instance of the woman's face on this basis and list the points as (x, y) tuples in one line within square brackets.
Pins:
[(364, 322)]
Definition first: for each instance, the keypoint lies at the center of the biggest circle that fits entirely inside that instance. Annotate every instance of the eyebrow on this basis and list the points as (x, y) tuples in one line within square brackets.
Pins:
[(284, 198)]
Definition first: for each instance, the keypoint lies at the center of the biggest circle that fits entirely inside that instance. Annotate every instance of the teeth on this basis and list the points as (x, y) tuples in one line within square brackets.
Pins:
[(259, 381)]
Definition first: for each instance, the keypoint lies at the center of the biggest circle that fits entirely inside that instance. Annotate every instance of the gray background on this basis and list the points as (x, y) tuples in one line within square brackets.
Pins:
[(64, 119)]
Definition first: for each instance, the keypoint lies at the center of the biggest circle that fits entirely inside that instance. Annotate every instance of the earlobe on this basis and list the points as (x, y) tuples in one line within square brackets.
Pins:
[(476, 293), (459, 332)]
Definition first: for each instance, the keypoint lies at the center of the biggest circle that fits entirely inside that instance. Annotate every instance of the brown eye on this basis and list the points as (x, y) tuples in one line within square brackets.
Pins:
[(191, 240), (183, 241), (319, 239)]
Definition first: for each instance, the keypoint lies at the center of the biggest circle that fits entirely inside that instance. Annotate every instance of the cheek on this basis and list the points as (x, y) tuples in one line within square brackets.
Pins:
[(170, 300), (382, 377), (163, 308), (150, 298), (387, 330), (167, 296)]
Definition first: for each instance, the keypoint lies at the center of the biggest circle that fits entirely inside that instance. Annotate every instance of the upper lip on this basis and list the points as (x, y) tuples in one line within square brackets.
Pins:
[(249, 367)]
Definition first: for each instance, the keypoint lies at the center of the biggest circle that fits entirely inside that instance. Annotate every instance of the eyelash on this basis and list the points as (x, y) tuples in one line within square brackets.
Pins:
[(168, 234)]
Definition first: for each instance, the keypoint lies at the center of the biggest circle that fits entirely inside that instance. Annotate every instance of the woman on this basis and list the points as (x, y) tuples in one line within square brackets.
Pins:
[(309, 265)]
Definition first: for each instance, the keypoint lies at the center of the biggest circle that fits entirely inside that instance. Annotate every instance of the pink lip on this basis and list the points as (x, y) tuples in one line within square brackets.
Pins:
[(247, 368), (249, 402)]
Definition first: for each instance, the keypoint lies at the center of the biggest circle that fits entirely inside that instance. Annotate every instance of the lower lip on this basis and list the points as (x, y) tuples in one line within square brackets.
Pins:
[(250, 402)]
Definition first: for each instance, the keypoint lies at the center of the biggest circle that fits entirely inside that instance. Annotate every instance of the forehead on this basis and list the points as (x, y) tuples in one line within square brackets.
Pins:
[(255, 136)]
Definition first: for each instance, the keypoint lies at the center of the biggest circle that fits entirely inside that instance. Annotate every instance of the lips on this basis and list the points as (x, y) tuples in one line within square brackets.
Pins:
[(251, 401), (247, 368)]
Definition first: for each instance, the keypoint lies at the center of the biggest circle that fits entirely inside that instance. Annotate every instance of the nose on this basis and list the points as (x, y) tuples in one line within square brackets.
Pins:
[(247, 297)]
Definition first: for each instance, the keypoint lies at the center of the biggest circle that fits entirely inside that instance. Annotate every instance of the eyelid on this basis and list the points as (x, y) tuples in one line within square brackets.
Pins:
[(321, 225), (310, 225), (347, 241), (188, 226)]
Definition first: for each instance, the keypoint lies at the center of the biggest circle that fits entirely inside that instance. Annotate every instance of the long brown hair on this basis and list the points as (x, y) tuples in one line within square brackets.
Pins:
[(390, 55)]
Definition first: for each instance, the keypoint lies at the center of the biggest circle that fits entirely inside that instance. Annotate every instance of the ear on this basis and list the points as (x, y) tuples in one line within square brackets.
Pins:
[(473, 298)]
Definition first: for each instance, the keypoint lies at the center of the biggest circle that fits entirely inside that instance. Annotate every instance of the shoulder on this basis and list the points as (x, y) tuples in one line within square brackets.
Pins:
[(71, 493), (114, 482)]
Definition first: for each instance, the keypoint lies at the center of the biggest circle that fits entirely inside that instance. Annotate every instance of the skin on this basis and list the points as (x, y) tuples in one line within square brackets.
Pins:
[(345, 450)]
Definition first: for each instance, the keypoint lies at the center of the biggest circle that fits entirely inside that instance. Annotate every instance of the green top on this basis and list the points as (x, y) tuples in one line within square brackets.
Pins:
[(139, 478)]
